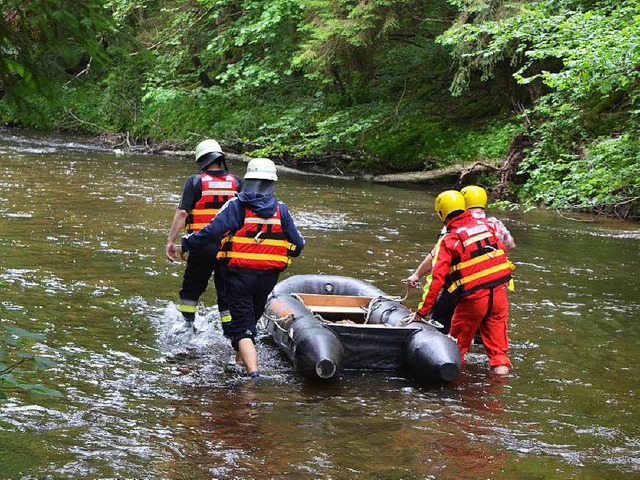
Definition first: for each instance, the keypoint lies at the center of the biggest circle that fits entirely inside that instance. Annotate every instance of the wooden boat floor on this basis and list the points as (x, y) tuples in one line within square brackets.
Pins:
[(313, 300), (332, 306)]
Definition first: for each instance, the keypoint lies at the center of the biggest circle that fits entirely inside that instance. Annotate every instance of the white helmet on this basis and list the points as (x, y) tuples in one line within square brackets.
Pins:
[(208, 151), (207, 146), (261, 169)]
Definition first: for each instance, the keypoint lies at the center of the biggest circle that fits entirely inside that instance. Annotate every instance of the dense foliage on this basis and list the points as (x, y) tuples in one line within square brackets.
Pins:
[(580, 61), (379, 85)]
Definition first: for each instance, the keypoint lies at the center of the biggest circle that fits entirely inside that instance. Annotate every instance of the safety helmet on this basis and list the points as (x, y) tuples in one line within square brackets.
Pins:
[(448, 202), (474, 196), (207, 152), (261, 169)]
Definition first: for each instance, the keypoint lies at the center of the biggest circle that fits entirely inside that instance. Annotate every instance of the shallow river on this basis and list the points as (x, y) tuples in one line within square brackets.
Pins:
[(82, 263)]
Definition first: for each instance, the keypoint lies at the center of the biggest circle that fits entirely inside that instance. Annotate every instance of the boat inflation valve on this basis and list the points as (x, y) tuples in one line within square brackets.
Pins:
[(328, 288)]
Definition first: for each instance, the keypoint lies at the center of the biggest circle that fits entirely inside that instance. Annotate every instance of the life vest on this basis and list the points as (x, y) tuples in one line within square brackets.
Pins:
[(483, 262), (216, 190), (260, 244)]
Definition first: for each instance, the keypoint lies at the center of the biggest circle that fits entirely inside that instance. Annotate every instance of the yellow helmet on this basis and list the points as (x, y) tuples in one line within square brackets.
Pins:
[(474, 196), (447, 202)]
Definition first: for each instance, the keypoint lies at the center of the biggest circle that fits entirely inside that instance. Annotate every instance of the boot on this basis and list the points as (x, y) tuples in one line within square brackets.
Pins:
[(189, 320)]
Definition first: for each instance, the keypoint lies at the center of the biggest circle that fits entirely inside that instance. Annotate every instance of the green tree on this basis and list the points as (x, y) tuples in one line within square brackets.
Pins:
[(583, 56), (42, 39)]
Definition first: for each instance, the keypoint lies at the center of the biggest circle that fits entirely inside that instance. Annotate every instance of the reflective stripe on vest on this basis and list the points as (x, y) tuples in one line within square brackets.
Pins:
[(215, 192), (482, 264), (260, 244)]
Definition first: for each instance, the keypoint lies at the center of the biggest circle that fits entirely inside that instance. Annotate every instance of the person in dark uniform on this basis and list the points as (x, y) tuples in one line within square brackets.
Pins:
[(256, 237), (203, 195)]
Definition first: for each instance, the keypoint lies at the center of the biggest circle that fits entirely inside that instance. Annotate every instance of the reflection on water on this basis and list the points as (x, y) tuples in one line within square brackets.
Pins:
[(82, 262)]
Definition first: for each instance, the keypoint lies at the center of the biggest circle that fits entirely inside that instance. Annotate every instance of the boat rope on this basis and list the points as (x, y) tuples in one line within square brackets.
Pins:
[(323, 320), (429, 321), (279, 327), (368, 310), (276, 320), (298, 297), (418, 285)]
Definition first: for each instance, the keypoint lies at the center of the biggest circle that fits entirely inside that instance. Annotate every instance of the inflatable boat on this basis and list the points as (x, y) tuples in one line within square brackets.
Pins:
[(326, 324)]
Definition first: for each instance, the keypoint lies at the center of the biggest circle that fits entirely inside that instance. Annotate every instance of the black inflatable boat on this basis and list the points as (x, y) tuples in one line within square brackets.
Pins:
[(327, 323)]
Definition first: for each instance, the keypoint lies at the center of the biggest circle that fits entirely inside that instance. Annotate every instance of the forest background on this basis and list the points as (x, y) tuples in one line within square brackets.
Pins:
[(546, 92)]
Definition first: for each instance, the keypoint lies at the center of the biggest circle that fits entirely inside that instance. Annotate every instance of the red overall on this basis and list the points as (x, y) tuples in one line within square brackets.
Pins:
[(472, 265)]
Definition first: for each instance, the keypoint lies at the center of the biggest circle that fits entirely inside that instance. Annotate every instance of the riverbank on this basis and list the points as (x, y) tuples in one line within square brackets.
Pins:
[(502, 178), (329, 165)]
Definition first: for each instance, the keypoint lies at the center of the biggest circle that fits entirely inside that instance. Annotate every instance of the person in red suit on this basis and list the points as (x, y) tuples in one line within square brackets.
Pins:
[(472, 265)]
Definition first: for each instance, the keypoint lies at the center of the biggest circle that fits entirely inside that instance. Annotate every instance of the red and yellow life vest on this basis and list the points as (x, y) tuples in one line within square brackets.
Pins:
[(260, 244), (215, 192), (483, 262)]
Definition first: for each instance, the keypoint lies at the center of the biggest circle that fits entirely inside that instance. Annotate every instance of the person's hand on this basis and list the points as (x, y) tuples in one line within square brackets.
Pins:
[(412, 281), (420, 315), (171, 251)]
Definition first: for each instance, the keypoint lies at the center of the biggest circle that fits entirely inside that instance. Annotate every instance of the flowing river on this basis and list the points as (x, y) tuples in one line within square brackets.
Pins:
[(82, 267)]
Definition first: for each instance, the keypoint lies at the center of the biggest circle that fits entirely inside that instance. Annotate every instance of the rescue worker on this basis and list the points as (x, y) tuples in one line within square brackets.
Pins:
[(203, 195), (256, 236), (471, 263), (475, 200)]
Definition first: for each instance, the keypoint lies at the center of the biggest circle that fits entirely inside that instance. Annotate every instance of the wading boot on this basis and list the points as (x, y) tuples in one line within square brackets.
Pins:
[(189, 320)]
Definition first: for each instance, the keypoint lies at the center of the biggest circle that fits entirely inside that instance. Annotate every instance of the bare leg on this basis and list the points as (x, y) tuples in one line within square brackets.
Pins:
[(248, 354)]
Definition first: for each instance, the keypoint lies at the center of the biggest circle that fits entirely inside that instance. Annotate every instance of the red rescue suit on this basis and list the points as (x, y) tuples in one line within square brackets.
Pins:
[(260, 244), (472, 265), (215, 192)]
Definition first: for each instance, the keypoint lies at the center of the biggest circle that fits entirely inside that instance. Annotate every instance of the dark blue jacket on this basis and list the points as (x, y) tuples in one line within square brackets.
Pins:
[(231, 218)]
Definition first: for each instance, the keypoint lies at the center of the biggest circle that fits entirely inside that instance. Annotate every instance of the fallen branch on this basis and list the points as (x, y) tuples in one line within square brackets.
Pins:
[(574, 219), (11, 368), (426, 175), (466, 171)]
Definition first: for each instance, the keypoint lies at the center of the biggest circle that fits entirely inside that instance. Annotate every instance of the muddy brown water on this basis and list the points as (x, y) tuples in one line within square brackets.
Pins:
[(82, 262)]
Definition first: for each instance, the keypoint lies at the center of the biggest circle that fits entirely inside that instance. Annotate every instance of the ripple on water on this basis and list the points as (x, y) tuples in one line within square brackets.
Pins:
[(324, 221)]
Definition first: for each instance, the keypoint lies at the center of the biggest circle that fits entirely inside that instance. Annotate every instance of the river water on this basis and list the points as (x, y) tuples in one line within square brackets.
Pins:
[(82, 263)]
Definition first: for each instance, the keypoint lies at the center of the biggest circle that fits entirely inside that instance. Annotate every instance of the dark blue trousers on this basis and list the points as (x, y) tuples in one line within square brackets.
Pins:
[(247, 292), (201, 263)]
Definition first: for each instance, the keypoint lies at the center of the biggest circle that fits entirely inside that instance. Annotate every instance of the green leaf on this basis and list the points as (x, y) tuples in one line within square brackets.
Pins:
[(21, 332), (44, 363)]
